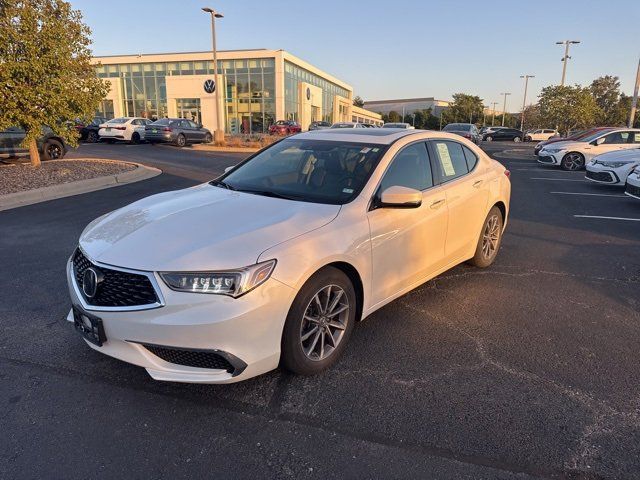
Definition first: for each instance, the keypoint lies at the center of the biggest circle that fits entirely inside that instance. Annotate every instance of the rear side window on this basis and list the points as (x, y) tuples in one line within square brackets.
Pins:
[(471, 158), (450, 160), (409, 168)]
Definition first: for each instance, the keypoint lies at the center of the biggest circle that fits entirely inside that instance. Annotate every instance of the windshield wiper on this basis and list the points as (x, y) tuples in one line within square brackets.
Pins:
[(269, 193), (221, 183)]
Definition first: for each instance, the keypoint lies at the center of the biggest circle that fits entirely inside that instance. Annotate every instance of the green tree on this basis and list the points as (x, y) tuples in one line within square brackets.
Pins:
[(393, 116), (606, 93), (567, 107), (46, 76), (466, 108), (358, 101), (531, 117)]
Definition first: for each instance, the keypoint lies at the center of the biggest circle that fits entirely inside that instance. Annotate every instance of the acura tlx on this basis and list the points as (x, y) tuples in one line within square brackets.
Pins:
[(274, 262)]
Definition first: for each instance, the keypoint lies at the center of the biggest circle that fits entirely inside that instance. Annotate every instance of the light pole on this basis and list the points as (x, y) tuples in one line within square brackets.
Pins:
[(524, 100), (493, 112), (218, 134), (634, 102), (504, 106), (566, 57)]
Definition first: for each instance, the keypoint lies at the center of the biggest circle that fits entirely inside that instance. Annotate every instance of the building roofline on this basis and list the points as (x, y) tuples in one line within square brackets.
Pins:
[(198, 52), (406, 100)]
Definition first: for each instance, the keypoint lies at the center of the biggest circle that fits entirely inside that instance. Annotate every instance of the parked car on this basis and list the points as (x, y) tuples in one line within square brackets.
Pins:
[(574, 155), (285, 127), (274, 262), (51, 146), (510, 134), (178, 131), (540, 135), (89, 131), (406, 126), (484, 130), (613, 167), (579, 135), (319, 125), (348, 125), (466, 130), (633, 184), (127, 129)]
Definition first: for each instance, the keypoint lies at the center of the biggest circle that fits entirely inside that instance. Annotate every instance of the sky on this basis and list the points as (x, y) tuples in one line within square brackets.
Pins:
[(398, 49)]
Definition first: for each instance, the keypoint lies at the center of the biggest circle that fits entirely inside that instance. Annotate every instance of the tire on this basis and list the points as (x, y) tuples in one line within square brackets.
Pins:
[(313, 354), (52, 150), (181, 141), (572, 161), (135, 138), (527, 138), (92, 137), (517, 139), (489, 138), (110, 141), (208, 138), (490, 239)]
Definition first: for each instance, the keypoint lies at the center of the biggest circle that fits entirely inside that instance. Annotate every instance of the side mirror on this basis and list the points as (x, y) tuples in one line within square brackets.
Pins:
[(229, 168), (599, 141), (400, 197)]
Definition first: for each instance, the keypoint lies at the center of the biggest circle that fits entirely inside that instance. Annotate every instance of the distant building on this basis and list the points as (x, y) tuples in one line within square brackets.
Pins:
[(407, 105)]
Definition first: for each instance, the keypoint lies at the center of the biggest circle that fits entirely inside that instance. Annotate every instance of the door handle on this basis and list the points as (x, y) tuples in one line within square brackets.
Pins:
[(437, 204), (477, 183)]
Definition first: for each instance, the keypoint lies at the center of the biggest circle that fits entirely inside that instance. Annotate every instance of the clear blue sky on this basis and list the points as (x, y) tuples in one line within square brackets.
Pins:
[(395, 49)]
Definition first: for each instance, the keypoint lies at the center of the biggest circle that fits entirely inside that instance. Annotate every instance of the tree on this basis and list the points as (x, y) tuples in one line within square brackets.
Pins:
[(567, 107), (465, 108), (606, 93), (46, 75), (532, 117), (393, 116), (358, 101)]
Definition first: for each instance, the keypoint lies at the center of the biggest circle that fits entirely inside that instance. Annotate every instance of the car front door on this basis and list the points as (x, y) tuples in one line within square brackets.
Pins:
[(197, 132), (407, 243), (463, 179), (608, 143)]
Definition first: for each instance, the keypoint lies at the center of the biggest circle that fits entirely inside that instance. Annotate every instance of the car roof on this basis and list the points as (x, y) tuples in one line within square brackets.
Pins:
[(380, 136)]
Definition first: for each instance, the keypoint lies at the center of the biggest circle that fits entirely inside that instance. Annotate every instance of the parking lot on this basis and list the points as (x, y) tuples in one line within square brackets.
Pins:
[(528, 369)]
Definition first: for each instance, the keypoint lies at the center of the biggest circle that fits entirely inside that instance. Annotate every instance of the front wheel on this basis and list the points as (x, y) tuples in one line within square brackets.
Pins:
[(572, 161), (490, 239), (208, 138), (516, 139), (489, 138), (181, 141), (135, 138), (527, 138), (319, 323), (52, 150)]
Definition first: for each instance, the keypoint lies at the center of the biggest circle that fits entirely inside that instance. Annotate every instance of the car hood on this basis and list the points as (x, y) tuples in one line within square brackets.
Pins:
[(619, 155), (200, 228), (566, 144)]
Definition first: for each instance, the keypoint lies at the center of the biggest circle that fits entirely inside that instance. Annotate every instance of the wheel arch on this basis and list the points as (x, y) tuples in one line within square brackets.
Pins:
[(352, 273)]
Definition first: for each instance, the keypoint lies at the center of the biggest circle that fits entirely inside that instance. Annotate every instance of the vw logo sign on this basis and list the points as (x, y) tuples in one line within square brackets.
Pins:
[(209, 86), (91, 278), (308, 93)]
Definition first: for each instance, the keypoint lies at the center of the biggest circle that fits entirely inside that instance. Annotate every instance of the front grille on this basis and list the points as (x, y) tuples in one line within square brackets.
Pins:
[(192, 358), (118, 288), (545, 159), (633, 190), (599, 176)]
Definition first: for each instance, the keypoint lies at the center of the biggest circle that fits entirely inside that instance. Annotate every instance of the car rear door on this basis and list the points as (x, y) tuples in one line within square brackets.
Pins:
[(407, 243), (198, 133), (463, 179)]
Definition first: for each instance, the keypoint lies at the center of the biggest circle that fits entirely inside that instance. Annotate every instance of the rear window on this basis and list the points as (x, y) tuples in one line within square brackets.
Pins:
[(162, 121), (119, 120), (460, 127)]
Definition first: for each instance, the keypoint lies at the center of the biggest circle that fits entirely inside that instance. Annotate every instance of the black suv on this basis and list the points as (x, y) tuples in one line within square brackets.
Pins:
[(51, 146)]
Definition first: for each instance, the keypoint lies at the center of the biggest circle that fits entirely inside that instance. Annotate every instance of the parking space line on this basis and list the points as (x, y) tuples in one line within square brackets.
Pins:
[(590, 194), (608, 218), (546, 171), (557, 179)]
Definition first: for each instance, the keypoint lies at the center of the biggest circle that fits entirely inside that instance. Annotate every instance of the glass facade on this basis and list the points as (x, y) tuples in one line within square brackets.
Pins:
[(293, 75), (249, 93)]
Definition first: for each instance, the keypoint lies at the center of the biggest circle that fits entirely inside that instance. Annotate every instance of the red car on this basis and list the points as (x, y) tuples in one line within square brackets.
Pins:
[(285, 127), (576, 136)]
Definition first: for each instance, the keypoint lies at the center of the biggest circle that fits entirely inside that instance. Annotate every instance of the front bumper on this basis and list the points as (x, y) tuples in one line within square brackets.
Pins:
[(548, 159), (596, 173), (246, 331), (633, 190)]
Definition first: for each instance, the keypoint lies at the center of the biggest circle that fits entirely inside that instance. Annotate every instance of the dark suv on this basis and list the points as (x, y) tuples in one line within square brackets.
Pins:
[(51, 146), (89, 131)]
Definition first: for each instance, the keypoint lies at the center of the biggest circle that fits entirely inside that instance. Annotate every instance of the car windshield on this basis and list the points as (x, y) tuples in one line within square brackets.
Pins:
[(459, 127), (281, 122), (317, 171)]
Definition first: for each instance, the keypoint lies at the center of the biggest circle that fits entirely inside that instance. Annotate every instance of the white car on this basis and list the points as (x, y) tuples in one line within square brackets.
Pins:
[(347, 125), (127, 129), (613, 167), (574, 155), (275, 261), (633, 184), (540, 135), (399, 125)]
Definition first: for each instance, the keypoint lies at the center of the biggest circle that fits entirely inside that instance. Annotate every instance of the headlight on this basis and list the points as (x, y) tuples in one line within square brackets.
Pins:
[(553, 150), (227, 282), (614, 164)]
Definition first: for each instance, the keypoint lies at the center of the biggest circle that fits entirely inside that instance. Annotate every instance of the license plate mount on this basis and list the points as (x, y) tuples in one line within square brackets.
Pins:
[(89, 326)]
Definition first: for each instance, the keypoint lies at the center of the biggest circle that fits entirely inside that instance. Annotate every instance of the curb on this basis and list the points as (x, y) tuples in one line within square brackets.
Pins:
[(37, 195), (211, 148)]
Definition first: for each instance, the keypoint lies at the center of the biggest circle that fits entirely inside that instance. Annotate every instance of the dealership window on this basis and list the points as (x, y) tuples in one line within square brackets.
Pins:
[(189, 108)]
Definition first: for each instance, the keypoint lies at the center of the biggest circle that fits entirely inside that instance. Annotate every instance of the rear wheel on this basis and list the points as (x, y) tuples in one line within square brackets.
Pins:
[(135, 138), (92, 137), (490, 239), (52, 150), (208, 138), (527, 138), (319, 323), (181, 141), (572, 161)]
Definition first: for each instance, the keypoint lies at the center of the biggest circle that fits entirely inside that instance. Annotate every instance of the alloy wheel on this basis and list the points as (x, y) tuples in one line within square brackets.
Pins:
[(573, 161), (54, 152), (92, 137), (491, 237), (324, 323)]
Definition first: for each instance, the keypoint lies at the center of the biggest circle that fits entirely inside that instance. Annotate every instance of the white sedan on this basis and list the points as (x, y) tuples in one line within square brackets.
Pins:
[(633, 184), (614, 167), (274, 262), (127, 129), (574, 155)]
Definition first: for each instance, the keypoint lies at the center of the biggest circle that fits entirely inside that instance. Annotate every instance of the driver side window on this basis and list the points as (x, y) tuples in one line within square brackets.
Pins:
[(409, 168)]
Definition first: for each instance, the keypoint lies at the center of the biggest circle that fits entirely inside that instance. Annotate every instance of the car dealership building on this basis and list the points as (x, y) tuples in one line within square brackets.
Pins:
[(258, 87)]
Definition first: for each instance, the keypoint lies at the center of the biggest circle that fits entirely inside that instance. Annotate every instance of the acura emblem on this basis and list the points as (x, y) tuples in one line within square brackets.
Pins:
[(91, 278)]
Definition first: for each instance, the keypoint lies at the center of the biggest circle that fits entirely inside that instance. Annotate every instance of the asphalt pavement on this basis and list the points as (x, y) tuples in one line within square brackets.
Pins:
[(528, 369)]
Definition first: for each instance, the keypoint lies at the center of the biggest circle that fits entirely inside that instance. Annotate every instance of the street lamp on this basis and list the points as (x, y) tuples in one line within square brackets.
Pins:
[(218, 134), (566, 57), (524, 100), (493, 112), (504, 106)]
